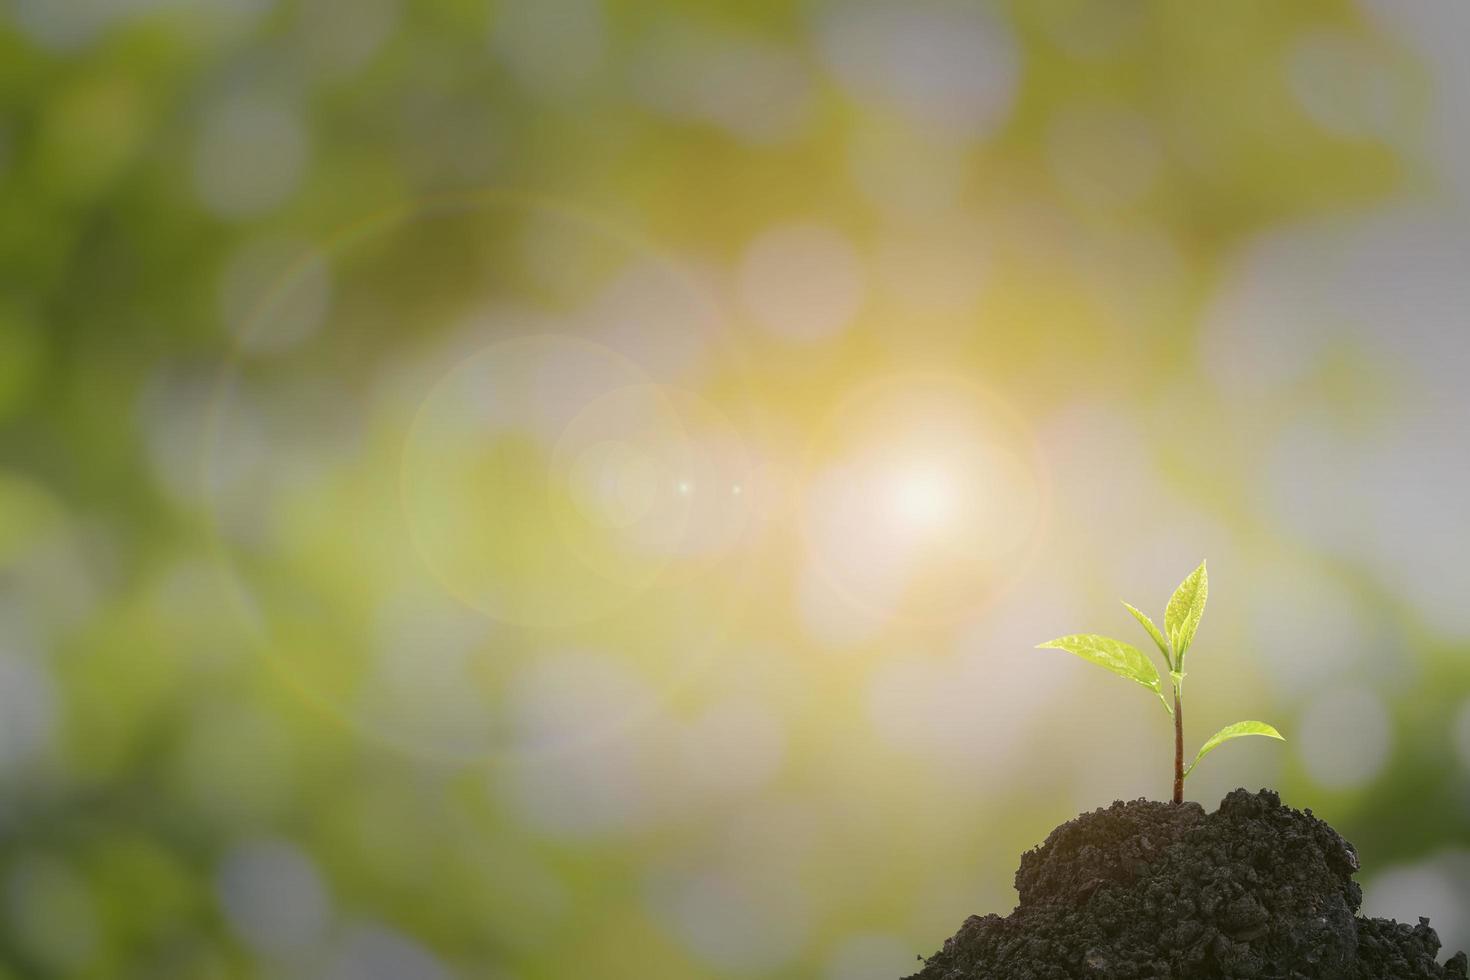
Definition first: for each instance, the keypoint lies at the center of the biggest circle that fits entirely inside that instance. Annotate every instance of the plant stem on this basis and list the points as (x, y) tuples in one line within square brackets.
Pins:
[(1178, 746)]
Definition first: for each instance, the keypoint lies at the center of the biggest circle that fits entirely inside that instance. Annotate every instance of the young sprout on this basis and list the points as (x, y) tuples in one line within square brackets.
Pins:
[(1181, 620)]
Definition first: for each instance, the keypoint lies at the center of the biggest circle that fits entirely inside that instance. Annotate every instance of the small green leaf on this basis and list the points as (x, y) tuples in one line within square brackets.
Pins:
[(1117, 656), (1238, 730), (1153, 631), (1186, 607)]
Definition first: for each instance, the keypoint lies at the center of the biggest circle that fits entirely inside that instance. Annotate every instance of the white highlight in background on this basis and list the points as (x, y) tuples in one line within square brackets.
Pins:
[(803, 283)]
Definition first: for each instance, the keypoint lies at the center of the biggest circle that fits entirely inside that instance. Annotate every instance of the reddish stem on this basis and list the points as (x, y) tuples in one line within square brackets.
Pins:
[(1178, 748)]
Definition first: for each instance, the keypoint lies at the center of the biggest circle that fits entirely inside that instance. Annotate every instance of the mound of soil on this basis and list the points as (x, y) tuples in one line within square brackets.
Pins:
[(1254, 890)]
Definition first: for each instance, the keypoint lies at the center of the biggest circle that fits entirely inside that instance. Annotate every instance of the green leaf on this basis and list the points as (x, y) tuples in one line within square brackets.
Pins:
[(1238, 730), (1186, 607), (1117, 656), (1153, 631)]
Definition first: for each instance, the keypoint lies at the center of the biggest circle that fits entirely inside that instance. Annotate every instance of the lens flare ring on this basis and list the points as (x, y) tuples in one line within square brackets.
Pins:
[(613, 485)]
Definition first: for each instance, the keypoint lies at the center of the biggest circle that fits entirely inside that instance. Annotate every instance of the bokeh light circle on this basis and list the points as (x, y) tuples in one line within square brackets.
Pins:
[(487, 512), (925, 497), (547, 483), (496, 445)]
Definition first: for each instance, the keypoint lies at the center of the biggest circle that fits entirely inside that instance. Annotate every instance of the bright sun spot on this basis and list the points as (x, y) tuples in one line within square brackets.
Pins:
[(923, 499)]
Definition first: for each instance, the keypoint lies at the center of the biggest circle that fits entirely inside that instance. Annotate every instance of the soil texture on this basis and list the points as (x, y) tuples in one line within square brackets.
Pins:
[(1152, 890)]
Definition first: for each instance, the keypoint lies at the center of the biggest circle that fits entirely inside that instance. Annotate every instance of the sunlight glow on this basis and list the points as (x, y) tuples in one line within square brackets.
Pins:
[(923, 499), (923, 502)]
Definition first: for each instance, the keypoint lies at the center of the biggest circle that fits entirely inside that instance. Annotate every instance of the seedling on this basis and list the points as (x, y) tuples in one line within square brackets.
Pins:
[(1181, 620)]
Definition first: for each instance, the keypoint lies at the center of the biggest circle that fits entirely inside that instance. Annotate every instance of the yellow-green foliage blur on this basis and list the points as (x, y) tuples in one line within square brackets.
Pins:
[(561, 489)]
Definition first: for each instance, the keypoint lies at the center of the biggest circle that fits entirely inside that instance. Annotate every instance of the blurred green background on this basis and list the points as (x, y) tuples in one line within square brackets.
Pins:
[(569, 488)]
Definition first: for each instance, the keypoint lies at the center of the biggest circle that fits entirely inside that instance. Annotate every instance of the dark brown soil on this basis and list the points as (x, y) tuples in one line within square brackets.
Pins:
[(1254, 890)]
